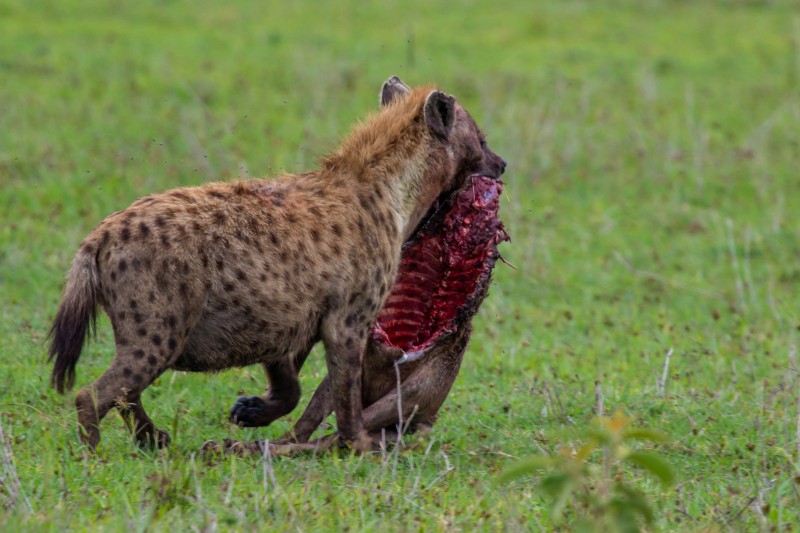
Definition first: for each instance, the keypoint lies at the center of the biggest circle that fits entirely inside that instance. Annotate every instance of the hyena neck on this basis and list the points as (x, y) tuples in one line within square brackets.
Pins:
[(396, 176), (399, 186), (392, 151), (407, 194)]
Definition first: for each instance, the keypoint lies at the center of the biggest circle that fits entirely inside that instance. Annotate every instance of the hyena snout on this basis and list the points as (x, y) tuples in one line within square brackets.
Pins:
[(494, 165)]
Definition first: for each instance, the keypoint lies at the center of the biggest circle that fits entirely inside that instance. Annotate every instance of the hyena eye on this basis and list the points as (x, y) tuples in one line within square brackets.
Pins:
[(483, 144)]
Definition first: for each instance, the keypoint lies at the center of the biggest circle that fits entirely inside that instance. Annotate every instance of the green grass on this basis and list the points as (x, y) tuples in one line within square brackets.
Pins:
[(652, 197)]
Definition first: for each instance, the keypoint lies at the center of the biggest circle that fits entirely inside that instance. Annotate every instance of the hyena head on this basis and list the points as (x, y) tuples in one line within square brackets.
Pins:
[(455, 147)]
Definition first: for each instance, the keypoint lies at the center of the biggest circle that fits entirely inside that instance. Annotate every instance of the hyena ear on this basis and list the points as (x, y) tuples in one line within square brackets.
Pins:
[(440, 113), (393, 88)]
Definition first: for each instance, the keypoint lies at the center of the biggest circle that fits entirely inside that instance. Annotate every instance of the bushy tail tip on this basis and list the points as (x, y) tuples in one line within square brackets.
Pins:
[(76, 315)]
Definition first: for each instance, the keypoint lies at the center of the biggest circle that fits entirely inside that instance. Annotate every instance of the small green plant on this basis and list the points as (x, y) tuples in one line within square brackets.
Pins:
[(596, 497)]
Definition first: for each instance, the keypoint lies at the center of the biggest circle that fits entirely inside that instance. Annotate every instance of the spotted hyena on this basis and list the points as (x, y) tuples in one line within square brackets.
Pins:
[(418, 340), (233, 274)]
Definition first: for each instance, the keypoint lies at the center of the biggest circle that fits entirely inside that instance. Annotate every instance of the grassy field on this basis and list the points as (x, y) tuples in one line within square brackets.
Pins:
[(652, 197)]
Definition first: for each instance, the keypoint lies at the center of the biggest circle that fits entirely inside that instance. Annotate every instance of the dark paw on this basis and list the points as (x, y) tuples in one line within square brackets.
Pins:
[(162, 439), (250, 412), (159, 439)]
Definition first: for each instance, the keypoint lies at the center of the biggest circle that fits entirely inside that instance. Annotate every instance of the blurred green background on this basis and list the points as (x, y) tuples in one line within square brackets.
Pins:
[(652, 197)]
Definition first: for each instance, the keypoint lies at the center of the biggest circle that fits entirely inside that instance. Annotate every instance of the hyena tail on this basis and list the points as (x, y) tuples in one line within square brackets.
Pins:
[(76, 314)]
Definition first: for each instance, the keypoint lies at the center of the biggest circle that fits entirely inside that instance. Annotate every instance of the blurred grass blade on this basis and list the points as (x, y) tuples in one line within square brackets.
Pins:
[(527, 466), (645, 434), (653, 463)]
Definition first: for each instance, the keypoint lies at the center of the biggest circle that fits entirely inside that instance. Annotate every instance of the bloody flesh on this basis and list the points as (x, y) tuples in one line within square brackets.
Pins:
[(443, 266)]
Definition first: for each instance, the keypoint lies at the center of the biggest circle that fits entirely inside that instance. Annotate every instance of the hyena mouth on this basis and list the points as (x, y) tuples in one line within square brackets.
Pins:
[(445, 269)]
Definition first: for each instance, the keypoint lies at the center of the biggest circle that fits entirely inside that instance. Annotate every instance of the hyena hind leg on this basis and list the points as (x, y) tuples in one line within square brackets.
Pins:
[(147, 435), (120, 385)]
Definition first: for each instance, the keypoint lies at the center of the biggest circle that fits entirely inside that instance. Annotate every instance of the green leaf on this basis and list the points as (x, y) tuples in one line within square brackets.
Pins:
[(558, 486), (645, 434), (655, 464), (635, 500), (527, 466), (600, 435), (583, 525), (586, 450), (622, 517)]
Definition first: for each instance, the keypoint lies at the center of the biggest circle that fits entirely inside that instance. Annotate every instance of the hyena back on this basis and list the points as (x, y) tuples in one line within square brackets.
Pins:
[(234, 274)]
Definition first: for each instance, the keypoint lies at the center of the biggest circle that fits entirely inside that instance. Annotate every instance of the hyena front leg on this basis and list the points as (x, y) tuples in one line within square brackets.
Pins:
[(345, 340), (379, 360), (281, 398)]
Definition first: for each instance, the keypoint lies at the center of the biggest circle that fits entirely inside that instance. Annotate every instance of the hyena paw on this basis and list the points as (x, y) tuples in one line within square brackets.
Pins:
[(162, 438), (155, 440), (254, 411)]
